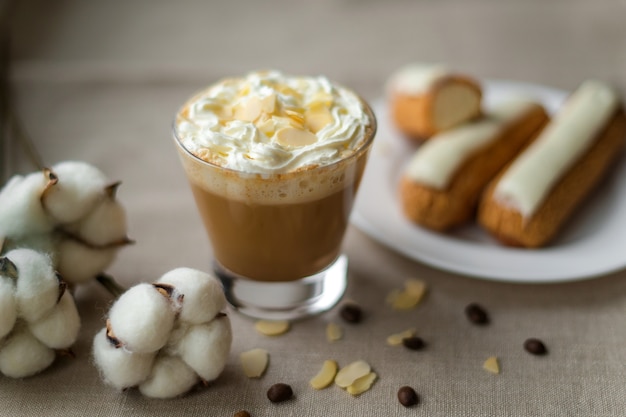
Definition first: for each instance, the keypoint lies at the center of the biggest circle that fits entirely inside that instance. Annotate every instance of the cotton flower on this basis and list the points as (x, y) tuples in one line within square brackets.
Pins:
[(76, 192), (8, 306), (23, 355), (37, 315), (21, 210), (142, 319), (80, 262), (202, 348), (170, 377), (121, 368), (38, 288), (90, 245), (164, 338), (46, 243), (69, 212), (204, 297), (58, 329)]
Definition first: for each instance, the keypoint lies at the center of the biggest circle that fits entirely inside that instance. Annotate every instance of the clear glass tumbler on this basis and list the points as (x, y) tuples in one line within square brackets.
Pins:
[(277, 238)]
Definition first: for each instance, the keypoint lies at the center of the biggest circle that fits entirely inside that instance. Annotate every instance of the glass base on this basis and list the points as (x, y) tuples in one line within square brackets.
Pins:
[(286, 300)]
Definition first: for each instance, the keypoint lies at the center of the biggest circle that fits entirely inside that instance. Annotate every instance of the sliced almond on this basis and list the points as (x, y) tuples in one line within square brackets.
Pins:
[(226, 113), (333, 332), (409, 297), (245, 90), (321, 101), (362, 384), (350, 373), (268, 127), (296, 119), (211, 106), (268, 104), (415, 287), (317, 120), (325, 376), (492, 365), (222, 111), (254, 362), (405, 301), (397, 338), (292, 137), (272, 328), (288, 91), (249, 110)]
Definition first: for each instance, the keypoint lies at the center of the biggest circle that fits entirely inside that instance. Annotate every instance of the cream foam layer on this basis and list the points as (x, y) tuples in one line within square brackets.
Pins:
[(416, 79), (290, 188), (268, 123), (566, 138), (437, 160)]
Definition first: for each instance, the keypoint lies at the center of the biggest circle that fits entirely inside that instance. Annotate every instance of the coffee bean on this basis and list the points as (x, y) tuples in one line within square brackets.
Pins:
[(413, 343), (351, 313), (476, 314), (407, 396), (242, 413), (279, 392), (535, 346)]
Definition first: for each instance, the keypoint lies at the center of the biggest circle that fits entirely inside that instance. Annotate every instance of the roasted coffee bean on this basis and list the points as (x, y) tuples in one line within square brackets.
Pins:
[(242, 413), (413, 343), (535, 346), (476, 314), (279, 392), (351, 313), (407, 396)]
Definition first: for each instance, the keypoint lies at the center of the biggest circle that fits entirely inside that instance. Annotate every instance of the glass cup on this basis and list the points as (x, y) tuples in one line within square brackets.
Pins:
[(277, 238)]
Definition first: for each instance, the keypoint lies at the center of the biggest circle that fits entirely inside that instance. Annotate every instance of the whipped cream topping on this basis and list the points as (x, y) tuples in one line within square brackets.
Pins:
[(269, 122), (436, 162), (569, 135)]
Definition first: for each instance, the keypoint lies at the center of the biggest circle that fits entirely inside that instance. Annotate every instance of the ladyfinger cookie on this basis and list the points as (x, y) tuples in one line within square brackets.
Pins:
[(528, 204), (427, 99), (442, 183)]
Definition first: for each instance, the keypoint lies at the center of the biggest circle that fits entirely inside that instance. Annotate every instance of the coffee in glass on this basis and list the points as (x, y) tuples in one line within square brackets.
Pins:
[(274, 163)]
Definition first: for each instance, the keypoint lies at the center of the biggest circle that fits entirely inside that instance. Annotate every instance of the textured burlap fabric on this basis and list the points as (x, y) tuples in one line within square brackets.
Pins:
[(100, 82)]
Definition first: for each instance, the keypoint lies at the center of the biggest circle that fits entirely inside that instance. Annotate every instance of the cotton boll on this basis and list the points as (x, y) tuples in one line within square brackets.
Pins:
[(23, 355), (104, 225), (58, 329), (78, 263), (79, 188), (205, 347), (119, 367), (203, 294), (45, 243), (21, 211), (8, 306), (38, 287), (176, 335), (142, 319), (10, 185), (170, 378)]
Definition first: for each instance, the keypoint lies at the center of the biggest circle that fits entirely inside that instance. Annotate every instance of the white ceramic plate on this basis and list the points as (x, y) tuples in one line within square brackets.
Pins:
[(593, 243)]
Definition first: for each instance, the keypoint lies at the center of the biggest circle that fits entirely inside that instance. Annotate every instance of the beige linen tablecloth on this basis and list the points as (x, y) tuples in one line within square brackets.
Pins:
[(100, 82)]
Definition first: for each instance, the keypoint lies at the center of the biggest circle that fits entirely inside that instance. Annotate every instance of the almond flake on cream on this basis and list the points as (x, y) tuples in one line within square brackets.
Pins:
[(269, 122)]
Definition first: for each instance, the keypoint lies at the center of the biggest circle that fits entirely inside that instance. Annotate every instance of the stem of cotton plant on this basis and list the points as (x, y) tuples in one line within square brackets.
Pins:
[(11, 126), (109, 283), (16, 128), (4, 95)]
